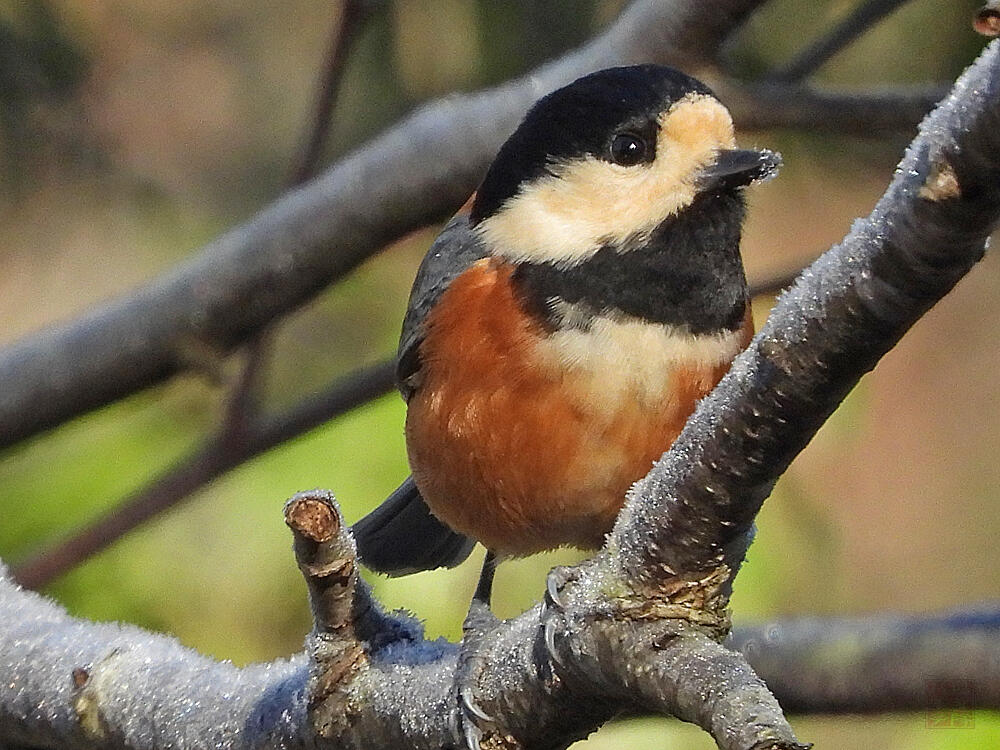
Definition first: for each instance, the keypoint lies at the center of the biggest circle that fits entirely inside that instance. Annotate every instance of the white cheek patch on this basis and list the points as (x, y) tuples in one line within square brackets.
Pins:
[(566, 217), (627, 358)]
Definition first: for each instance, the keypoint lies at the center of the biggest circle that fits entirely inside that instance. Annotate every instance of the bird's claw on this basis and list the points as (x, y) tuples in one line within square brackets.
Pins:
[(473, 734), (558, 577), (468, 716), (553, 604), (464, 731), (469, 705), (549, 633)]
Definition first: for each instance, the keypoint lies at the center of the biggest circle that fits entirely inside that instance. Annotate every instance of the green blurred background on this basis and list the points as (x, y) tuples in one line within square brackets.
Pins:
[(133, 133)]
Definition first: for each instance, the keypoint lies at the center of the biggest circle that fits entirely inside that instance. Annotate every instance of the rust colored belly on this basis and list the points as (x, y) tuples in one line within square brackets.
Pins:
[(521, 456)]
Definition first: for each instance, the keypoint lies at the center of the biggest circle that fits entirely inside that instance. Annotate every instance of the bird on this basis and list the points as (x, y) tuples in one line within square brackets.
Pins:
[(564, 324)]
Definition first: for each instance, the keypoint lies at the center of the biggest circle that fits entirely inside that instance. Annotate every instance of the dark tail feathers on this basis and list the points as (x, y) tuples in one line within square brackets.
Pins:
[(401, 536)]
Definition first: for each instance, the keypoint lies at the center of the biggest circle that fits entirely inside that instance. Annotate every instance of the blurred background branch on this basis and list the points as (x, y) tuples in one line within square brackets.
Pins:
[(878, 663), (841, 34)]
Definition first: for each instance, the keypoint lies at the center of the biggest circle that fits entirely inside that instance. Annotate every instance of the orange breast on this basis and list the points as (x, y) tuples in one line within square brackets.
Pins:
[(514, 452)]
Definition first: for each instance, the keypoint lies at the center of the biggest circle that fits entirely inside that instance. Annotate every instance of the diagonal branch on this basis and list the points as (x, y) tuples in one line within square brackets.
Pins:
[(243, 433), (213, 460), (350, 18), (856, 23)]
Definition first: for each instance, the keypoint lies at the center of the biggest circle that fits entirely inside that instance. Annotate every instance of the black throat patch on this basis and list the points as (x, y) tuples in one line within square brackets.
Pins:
[(688, 273)]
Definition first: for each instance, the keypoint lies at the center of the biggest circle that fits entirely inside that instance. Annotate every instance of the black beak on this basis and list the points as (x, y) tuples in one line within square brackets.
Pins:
[(737, 167)]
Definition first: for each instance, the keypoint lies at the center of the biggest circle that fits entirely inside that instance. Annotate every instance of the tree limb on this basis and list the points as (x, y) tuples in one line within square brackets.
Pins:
[(878, 664), (350, 17), (139, 687), (243, 432), (760, 106)]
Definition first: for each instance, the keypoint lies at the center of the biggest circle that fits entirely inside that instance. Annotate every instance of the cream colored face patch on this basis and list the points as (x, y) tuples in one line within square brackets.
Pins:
[(566, 217)]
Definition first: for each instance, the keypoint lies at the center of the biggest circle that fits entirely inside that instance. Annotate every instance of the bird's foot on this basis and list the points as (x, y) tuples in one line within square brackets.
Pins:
[(468, 717)]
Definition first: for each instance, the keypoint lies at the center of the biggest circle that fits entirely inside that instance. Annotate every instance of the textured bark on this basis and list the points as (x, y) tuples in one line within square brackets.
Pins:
[(877, 664), (140, 690)]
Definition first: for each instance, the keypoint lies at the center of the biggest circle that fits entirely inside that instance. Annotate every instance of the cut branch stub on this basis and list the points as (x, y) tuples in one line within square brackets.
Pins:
[(987, 19), (326, 556)]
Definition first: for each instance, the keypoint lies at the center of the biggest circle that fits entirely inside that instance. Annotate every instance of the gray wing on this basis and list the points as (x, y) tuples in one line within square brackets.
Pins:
[(454, 250), (401, 535)]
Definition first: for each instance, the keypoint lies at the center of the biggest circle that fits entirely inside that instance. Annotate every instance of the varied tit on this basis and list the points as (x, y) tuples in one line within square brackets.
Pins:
[(565, 323)]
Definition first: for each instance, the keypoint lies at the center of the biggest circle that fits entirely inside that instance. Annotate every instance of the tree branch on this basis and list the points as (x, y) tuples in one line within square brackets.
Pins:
[(242, 433), (350, 18), (760, 106), (856, 23), (841, 316), (139, 687)]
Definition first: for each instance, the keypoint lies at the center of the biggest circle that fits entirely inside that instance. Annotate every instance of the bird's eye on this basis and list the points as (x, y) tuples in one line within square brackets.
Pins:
[(628, 149)]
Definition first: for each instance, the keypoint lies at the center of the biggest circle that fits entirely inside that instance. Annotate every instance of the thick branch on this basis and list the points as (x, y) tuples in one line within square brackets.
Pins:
[(411, 175), (845, 311), (670, 667), (139, 688)]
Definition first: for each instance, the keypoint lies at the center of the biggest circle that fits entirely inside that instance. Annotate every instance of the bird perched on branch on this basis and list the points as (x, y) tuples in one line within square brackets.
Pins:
[(566, 321), (562, 328)]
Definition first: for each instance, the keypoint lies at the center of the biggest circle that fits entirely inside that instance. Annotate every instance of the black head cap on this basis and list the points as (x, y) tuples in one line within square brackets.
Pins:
[(578, 120)]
